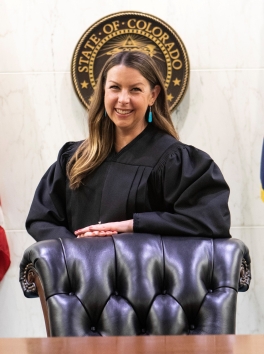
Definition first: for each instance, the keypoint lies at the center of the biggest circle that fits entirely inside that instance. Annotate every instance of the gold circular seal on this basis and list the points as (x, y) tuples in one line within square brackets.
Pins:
[(128, 31)]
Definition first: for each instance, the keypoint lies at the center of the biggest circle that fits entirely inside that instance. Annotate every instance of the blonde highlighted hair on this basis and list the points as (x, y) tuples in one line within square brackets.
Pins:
[(94, 150)]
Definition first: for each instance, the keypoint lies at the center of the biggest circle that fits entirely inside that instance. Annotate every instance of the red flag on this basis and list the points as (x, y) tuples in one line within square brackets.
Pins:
[(4, 249), (4, 254)]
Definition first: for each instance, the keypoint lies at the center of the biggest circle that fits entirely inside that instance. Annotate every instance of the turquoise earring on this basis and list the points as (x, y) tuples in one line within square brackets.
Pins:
[(150, 115), (105, 113)]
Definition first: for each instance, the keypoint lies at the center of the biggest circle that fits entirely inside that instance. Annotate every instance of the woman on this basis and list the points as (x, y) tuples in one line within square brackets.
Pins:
[(131, 174)]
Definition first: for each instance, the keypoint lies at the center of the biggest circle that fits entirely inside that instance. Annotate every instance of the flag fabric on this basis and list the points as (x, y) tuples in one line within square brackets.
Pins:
[(4, 249), (262, 173), (4, 254)]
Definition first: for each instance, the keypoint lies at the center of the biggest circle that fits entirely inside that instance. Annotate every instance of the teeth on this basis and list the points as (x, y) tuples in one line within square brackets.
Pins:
[(121, 111)]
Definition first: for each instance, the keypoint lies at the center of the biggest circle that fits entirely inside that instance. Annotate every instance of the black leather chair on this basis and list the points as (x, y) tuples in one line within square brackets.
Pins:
[(137, 284)]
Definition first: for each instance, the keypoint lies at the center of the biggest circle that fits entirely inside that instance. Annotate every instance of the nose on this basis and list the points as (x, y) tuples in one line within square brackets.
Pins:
[(123, 97)]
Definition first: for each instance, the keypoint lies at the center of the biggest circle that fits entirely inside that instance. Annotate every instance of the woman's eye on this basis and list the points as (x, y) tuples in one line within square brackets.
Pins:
[(136, 89), (114, 87)]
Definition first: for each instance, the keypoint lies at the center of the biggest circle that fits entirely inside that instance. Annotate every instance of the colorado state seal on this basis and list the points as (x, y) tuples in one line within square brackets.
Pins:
[(130, 31)]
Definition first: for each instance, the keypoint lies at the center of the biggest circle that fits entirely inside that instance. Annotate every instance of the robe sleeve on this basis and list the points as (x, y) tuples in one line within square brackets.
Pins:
[(47, 218), (193, 194)]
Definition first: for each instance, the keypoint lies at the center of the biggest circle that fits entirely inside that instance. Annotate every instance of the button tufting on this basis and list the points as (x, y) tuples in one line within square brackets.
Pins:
[(116, 293), (93, 329), (210, 290), (192, 327), (71, 294), (164, 292)]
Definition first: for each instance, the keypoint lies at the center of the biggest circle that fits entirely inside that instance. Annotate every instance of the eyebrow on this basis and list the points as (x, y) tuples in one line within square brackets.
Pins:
[(135, 84)]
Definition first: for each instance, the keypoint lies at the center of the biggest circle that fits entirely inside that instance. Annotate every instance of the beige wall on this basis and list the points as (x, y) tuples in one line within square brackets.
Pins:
[(221, 113)]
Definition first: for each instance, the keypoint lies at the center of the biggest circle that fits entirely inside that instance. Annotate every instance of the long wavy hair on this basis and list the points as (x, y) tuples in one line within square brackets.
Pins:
[(94, 150)]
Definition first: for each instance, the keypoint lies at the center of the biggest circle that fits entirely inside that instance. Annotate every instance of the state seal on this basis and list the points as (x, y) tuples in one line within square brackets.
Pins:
[(130, 31)]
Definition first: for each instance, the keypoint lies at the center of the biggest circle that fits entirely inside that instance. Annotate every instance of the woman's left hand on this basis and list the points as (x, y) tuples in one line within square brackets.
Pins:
[(107, 229)]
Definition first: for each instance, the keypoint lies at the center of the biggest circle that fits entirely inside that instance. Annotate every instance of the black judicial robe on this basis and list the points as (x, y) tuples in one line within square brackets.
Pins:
[(167, 187)]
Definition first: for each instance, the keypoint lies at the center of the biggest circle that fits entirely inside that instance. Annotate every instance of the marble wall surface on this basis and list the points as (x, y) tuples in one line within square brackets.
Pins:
[(221, 113)]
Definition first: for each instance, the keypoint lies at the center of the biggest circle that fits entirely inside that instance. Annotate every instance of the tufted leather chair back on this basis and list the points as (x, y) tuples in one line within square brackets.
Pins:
[(134, 284)]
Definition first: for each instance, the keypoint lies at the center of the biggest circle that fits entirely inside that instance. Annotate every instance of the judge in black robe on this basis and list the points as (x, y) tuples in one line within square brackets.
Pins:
[(165, 186)]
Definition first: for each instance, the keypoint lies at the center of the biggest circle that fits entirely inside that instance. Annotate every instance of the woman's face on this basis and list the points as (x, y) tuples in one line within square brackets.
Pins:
[(127, 97)]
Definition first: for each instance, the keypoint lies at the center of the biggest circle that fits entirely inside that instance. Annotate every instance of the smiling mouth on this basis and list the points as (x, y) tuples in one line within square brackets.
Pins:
[(123, 111)]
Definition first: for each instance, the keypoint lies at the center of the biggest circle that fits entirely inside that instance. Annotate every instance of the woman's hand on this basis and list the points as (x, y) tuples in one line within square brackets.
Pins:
[(107, 229)]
